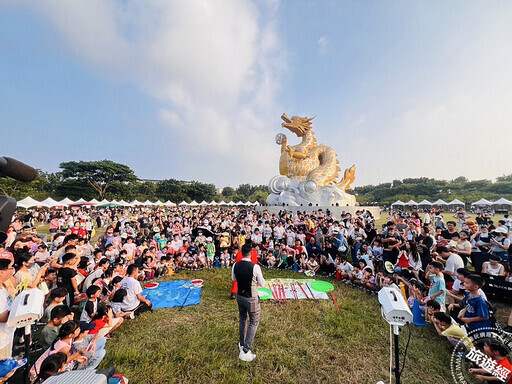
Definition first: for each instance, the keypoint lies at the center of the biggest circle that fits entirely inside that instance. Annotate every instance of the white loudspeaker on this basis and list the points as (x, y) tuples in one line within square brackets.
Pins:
[(394, 307), (26, 308)]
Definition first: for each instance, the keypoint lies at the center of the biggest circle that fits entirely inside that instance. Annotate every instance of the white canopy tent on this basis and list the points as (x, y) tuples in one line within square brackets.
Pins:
[(158, 203), (169, 203), (65, 202), (440, 202), (240, 203), (194, 203), (213, 203), (482, 203), (135, 203), (502, 201), (424, 203), (230, 204), (398, 203), (412, 203), (124, 203), (103, 202), (203, 203), (49, 203), (80, 201), (147, 203), (222, 203), (457, 202), (183, 204), (28, 202), (94, 202)]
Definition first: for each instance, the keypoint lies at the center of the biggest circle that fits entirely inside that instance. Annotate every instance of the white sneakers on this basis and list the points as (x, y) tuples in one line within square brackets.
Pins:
[(249, 356), (240, 347)]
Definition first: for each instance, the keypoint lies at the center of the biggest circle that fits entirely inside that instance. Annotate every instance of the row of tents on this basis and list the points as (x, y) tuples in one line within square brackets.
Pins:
[(454, 203), (29, 202)]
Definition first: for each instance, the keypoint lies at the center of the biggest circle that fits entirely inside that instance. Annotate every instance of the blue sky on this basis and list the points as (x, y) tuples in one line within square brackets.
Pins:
[(194, 90)]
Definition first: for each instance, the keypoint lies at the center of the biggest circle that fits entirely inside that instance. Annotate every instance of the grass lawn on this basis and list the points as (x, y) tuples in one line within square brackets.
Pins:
[(297, 342)]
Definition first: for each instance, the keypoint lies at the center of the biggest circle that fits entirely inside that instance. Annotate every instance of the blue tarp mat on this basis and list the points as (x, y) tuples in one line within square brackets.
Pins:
[(172, 294)]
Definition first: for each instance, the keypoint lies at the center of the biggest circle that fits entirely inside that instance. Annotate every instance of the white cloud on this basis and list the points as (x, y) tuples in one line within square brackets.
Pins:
[(322, 45), (213, 66)]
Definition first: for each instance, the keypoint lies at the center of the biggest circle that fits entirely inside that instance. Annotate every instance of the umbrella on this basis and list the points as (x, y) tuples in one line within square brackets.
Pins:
[(206, 232)]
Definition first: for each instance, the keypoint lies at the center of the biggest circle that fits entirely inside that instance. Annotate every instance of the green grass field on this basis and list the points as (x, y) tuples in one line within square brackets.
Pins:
[(297, 342)]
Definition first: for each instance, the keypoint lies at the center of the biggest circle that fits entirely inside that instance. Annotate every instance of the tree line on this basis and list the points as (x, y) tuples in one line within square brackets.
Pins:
[(109, 180), (106, 179), (418, 189)]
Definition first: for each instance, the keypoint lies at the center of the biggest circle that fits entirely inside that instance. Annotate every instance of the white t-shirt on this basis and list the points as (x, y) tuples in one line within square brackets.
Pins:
[(133, 288), (453, 263), (89, 280), (6, 333)]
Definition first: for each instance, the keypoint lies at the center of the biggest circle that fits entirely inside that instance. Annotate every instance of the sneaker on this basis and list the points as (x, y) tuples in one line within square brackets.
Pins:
[(233, 296), (301, 270), (249, 356), (240, 347)]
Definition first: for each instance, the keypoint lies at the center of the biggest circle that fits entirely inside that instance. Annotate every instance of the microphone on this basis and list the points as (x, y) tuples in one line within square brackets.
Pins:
[(17, 170)]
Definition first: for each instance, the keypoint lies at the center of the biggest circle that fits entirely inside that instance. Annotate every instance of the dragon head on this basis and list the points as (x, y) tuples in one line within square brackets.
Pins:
[(298, 125)]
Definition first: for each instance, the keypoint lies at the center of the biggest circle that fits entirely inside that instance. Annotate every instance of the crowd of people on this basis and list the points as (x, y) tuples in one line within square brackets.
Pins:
[(441, 263)]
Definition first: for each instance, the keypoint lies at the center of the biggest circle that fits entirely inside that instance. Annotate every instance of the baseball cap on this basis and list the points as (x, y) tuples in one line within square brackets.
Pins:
[(501, 230)]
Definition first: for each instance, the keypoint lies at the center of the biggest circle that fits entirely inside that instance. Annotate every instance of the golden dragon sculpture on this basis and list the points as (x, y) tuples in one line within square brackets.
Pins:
[(309, 161)]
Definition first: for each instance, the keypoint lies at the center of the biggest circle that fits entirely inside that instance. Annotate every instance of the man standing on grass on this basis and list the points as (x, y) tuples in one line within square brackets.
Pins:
[(248, 275)]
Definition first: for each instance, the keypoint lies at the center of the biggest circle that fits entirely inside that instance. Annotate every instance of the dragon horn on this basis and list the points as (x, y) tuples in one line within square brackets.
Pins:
[(313, 118)]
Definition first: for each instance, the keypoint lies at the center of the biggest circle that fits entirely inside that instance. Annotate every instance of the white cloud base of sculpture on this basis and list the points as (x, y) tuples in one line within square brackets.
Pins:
[(308, 171)]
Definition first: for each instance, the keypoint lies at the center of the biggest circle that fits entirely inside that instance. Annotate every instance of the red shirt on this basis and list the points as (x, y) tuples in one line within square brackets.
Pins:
[(98, 324), (505, 363), (254, 256)]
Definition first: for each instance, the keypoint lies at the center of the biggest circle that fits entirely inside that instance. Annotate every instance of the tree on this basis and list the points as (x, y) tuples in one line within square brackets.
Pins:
[(228, 192), (245, 190), (99, 174)]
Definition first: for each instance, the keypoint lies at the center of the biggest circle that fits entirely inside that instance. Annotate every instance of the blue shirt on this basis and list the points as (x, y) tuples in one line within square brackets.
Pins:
[(476, 307), (438, 285)]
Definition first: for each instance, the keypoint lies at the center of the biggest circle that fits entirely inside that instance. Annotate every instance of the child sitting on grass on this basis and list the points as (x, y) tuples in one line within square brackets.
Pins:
[(445, 326), (57, 295), (91, 305), (67, 333), (117, 303), (105, 322), (496, 350), (59, 315)]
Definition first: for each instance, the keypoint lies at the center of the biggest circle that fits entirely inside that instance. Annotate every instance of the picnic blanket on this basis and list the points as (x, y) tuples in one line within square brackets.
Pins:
[(172, 294), (273, 285)]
